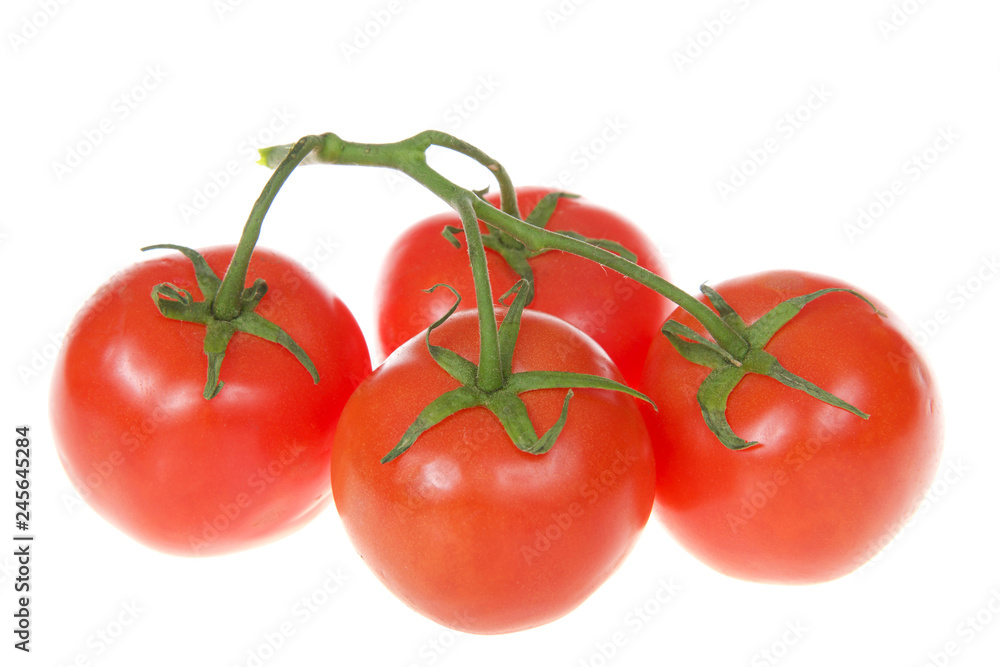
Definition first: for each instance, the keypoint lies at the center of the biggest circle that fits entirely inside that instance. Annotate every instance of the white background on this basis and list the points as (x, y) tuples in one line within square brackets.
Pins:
[(600, 97)]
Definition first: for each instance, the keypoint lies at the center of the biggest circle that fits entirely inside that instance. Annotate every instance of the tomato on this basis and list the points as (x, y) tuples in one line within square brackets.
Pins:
[(465, 528), (824, 489), (186, 475), (621, 315)]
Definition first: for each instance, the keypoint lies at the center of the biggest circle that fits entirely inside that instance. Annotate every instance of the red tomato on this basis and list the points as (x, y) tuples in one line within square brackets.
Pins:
[(825, 489), (619, 314), (464, 527), (186, 475)]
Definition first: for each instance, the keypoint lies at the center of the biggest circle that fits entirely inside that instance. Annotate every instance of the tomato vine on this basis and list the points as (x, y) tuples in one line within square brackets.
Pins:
[(733, 350)]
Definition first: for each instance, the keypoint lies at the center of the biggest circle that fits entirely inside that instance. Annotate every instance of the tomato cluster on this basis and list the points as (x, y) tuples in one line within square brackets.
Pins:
[(463, 526)]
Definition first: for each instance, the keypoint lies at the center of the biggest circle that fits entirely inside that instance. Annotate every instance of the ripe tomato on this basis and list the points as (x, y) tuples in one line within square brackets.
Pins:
[(825, 488), (621, 315), (186, 475), (464, 527)]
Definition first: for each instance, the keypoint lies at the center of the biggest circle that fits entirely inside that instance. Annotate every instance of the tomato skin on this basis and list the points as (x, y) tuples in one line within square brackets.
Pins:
[(826, 489), (618, 313), (465, 528), (182, 474)]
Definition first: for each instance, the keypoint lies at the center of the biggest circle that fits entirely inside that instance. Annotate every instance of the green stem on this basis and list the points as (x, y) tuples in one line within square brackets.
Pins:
[(228, 305), (489, 377), (737, 348), (508, 194), (409, 157), (537, 238)]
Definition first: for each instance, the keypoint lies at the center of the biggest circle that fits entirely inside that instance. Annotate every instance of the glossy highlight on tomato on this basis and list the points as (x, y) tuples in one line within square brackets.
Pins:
[(825, 490), (618, 313), (190, 476), (465, 528)]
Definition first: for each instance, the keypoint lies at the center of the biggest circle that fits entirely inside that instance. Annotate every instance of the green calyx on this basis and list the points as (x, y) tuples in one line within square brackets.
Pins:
[(228, 305), (516, 254), (729, 368), (177, 304), (505, 401)]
